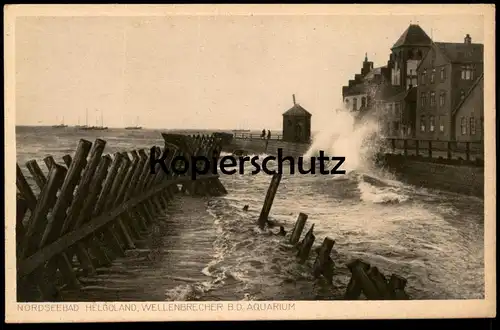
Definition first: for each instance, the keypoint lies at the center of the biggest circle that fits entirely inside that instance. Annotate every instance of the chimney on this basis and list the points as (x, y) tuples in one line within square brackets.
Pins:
[(293, 95), (467, 39)]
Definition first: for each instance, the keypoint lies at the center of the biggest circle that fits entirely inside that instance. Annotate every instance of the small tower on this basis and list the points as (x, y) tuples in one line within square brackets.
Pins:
[(296, 124)]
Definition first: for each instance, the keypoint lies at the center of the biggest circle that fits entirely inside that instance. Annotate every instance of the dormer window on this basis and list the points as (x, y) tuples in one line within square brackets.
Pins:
[(467, 72)]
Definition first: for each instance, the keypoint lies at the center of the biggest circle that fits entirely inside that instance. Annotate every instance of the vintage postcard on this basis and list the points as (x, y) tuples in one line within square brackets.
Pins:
[(249, 162)]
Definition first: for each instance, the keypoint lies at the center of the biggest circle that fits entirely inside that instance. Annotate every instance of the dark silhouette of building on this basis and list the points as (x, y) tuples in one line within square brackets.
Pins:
[(297, 124)]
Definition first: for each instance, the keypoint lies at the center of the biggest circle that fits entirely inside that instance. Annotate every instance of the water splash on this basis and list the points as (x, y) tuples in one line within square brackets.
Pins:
[(344, 136)]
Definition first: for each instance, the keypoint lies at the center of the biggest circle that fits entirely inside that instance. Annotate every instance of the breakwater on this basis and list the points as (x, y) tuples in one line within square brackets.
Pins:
[(445, 165), (94, 208)]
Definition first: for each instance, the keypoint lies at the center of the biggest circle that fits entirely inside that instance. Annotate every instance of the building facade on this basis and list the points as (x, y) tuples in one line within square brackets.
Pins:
[(447, 75), (468, 116), (423, 90)]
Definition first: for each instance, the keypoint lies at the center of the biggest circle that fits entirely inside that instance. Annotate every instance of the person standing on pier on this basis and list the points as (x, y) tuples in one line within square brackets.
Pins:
[(263, 135), (268, 134)]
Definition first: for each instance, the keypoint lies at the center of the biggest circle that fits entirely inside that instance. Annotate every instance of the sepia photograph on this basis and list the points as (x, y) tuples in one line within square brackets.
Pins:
[(184, 162)]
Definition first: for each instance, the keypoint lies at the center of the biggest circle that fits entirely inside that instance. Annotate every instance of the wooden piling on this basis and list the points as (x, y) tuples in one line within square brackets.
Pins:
[(93, 208), (324, 264), (306, 245), (268, 201), (298, 228), (396, 288), (354, 288), (358, 270), (379, 281)]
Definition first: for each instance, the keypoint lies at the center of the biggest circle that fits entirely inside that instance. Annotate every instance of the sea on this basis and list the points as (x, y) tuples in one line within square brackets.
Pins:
[(211, 248)]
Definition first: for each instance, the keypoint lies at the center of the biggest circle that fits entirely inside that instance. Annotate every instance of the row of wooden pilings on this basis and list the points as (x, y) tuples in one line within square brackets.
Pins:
[(366, 280), (95, 207)]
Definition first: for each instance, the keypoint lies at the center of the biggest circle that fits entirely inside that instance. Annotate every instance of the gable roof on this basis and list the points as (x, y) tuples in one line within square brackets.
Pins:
[(469, 92), (355, 90), (297, 110), (413, 36), (461, 52), (455, 52), (374, 72)]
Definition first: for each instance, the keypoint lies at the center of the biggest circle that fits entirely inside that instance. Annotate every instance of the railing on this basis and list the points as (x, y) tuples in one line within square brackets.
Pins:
[(249, 136), (91, 210), (449, 150)]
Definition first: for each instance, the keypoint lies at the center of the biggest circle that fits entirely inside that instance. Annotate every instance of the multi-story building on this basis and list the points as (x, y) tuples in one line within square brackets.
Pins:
[(468, 115), (390, 90), (450, 92), (355, 95), (406, 55), (427, 90)]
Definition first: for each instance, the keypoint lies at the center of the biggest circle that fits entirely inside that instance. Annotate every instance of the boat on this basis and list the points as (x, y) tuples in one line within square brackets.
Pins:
[(134, 127), (61, 125), (93, 128)]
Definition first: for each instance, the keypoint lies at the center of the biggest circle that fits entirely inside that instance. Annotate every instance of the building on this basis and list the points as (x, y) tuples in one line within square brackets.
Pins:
[(297, 124), (390, 90), (469, 113), (422, 89), (400, 104), (355, 95), (449, 75)]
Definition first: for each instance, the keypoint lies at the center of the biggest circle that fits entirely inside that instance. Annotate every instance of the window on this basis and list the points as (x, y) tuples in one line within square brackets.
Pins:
[(433, 99), (433, 74), (441, 124), (467, 72), (354, 104), (422, 77), (443, 74), (422, 123), (442, 99), (397, 110), (463, 125), (395, 125), (472, 125), (462, 94), (423, 99), (432, 123)]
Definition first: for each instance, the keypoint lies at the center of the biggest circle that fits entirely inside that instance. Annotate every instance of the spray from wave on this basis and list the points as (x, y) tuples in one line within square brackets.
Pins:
[(358, 141), (343, 136)]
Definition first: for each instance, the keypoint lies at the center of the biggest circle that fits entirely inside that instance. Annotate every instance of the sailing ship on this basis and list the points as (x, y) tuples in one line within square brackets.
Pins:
[(93, 128), (136, 126), (61, 125)]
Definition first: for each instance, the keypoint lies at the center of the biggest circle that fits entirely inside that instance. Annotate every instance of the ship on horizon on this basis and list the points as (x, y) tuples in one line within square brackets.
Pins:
[(61, 125), (136, 127), (92, 128)]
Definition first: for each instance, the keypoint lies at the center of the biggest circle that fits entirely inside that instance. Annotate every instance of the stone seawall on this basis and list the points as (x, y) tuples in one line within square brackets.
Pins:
[(462, 179), (422, 172)]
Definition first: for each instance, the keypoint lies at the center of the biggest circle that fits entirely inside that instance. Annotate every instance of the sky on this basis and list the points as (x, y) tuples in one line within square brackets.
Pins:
[(224, 72)]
